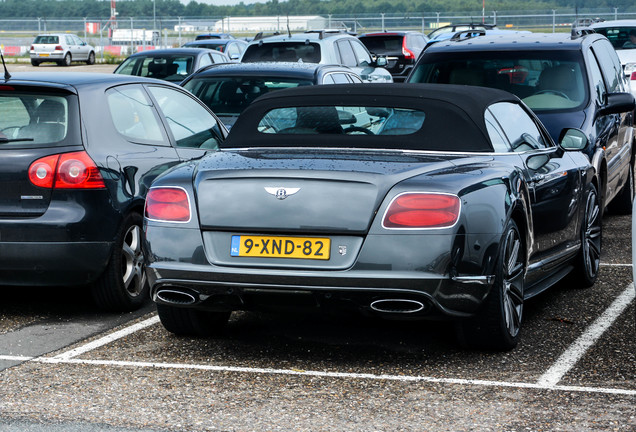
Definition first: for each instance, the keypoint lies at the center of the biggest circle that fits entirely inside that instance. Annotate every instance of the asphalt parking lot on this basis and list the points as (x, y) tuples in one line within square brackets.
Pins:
[(66, 366)]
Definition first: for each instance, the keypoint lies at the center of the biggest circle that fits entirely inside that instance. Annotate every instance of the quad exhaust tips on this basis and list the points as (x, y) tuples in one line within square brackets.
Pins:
[(397, 306)]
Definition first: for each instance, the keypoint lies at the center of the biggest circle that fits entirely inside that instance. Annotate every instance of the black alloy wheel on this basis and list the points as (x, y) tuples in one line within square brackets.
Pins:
[(589, 258), (123, 286), (497, 325), (91, 59)]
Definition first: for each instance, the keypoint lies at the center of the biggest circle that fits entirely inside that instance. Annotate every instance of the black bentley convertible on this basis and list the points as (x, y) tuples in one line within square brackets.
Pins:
[(402, 200)]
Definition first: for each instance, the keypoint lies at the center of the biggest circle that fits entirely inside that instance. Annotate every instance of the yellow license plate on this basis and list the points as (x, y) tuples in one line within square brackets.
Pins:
[(44, 55), (280, 247)]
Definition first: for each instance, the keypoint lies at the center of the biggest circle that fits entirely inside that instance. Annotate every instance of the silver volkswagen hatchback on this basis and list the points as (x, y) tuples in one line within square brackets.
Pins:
[(61, 49)]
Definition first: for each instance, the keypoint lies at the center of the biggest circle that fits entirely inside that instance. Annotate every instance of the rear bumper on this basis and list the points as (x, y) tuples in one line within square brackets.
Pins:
[(50, 264)]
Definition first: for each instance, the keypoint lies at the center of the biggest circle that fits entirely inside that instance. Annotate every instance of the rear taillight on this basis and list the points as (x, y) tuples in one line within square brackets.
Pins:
[(66, 171), (633, 77), (58, 48), (408, 54), (32, 48), (168, 204), (422, 210)]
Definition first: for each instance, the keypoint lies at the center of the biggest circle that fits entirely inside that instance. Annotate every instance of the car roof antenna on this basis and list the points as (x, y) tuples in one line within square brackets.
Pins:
[(7, 75), (288, 30)]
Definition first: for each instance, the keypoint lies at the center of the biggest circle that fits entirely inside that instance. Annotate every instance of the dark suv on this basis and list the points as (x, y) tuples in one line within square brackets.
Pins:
[(401, 48), (569, 81)]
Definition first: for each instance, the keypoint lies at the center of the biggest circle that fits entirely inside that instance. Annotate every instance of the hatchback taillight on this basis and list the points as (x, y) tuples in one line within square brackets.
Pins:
[(633, 77), (32, 48), (66, 171), (168, 204), (58, 48), (422, 210), (408, 54)]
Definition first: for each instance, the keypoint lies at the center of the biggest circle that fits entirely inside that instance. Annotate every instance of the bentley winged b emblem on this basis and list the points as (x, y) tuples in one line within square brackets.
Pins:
[(281, 192)]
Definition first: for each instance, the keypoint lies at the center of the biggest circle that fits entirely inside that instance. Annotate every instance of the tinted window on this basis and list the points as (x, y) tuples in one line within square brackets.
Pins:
[(28, 119), (190, 123), (383, 44), (46, 40), (134, 116), (520, 129), (619, 36), (169, 68), (283, 51), (230, 95), (597, 80), (544, 80), (610, 65), (362, 55), (347, 56)]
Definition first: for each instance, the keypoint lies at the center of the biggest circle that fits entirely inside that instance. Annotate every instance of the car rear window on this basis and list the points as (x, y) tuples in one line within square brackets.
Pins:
[(430, 125), (308, 52), (34, 119), (383, 44), (46, 40), (230, 95), (169, 68)]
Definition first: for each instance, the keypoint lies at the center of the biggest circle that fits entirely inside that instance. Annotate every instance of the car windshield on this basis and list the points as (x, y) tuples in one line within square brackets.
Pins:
[(620, 37), (228, 96), (169, 67), (283, 52), (46, 39), (32, 119), (544, 80)]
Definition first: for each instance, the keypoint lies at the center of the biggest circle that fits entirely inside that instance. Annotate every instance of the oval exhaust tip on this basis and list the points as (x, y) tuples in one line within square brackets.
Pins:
[(175, 297), (397, 306)]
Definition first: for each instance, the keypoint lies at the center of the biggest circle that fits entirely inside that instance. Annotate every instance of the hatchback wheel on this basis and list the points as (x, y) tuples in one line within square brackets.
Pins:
[(35, 63), (192, 322), (91, 58), (67, 60), (498, 323), (123, 285)]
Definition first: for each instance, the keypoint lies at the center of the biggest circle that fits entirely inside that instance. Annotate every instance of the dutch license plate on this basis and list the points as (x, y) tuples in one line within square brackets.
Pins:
[(44, 55), (280, 247)]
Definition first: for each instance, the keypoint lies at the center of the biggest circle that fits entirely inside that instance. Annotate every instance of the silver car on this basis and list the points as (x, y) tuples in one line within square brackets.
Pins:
[(61, 49)]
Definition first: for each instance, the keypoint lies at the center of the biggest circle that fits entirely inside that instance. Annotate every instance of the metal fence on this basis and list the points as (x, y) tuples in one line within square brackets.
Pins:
[(19, 33)]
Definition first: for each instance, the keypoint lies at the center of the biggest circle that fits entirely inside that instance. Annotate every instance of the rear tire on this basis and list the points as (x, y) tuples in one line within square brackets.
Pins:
[(497, 325), (35, 63), (67, 60), (91, 59), (123, 286), (192, 322)]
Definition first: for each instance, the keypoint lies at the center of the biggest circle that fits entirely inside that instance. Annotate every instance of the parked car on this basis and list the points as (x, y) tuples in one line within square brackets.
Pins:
[(622, 36), (61, 49), (206, 36), (233, 48), (401, 48), (403, 201), (569, 81), (454, 28), (78, 152), (322, 47), (170, 64), (229, 88)]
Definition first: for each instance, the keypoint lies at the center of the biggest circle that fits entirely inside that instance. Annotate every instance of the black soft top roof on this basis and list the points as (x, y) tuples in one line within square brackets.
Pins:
[(455, 116)]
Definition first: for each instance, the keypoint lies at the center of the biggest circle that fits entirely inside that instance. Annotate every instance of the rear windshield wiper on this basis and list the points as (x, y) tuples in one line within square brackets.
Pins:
[(4, 140)]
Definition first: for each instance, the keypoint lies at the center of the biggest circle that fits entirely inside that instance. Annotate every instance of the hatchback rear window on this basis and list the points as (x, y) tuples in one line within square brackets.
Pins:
[(46, 40), (28, 119), (383, 44), (283, 52)]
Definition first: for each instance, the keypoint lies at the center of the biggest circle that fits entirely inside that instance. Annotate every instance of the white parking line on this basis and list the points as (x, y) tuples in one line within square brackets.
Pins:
[(323, 374), (573, 354), (107, 339)]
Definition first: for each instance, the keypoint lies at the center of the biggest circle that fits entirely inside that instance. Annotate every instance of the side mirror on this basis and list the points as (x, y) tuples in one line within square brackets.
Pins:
[(618, 103), (381, 62), (573, 139), (536, 162)]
